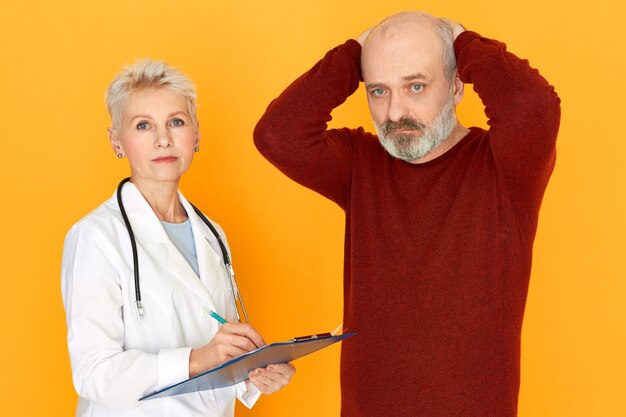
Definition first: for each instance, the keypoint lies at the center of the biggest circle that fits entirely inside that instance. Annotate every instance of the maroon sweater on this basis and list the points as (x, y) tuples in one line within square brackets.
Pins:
[(437, 255)]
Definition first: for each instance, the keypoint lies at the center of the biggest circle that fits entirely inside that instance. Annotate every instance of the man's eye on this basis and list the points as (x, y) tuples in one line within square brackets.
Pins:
[(417, 88), (177, 122), (142, 125), (378, 92)]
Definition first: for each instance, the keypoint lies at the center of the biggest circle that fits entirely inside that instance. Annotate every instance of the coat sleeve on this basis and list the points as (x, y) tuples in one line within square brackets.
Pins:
[(247, 393), (102, 370)]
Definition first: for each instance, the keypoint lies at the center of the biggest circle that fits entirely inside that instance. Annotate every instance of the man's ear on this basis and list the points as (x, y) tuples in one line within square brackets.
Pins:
[(115, 142), (458, 89)]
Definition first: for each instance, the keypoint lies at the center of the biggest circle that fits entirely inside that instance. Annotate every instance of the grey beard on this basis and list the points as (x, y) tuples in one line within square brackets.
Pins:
[(410, 147)]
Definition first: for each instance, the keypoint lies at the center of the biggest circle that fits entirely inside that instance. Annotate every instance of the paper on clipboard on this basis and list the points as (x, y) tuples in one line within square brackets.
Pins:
[(237, 369)]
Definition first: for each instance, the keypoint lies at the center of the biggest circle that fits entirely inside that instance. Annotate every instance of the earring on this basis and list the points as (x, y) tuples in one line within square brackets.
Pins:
[(196, 149), (119, 155)]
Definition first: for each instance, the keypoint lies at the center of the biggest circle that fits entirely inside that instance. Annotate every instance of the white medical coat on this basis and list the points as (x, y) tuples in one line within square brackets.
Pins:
[(116, 359)]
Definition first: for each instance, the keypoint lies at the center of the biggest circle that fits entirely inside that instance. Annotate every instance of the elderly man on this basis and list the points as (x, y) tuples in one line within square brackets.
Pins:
[(440, 219)]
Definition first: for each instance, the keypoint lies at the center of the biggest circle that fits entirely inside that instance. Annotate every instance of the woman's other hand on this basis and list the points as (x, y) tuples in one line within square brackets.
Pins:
[(272, 378)]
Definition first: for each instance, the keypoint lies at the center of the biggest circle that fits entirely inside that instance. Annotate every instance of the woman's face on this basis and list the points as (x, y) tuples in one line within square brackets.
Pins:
[(157, 134)]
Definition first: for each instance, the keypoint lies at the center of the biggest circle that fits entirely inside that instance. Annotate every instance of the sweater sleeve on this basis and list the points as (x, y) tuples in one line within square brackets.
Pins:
[(523, 112), (293, 133)]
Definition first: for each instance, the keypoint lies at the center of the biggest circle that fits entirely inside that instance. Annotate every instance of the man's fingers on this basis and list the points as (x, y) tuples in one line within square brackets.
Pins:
[(361, 39)]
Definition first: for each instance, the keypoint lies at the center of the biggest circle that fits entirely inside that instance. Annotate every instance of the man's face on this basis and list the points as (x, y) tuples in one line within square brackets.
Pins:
[(411, 100), (411, 140)]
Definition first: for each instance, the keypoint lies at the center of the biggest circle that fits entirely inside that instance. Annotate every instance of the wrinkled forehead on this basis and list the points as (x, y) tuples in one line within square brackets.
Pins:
[(401, 47)]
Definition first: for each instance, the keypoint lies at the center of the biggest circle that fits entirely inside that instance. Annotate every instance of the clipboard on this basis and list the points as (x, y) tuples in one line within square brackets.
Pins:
[(236, 369)]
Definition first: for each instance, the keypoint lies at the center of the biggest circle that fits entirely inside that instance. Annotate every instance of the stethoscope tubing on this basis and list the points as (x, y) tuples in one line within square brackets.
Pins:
[(133, 245), (226, 257)]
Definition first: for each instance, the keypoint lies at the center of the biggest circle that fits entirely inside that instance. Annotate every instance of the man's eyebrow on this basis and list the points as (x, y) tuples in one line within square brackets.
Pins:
[(412, 77), (375, 85), (417, 76)]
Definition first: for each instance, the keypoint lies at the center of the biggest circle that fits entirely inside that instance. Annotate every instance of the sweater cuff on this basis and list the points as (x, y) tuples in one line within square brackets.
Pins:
[(353, 48), (463, 40), (173, 366)]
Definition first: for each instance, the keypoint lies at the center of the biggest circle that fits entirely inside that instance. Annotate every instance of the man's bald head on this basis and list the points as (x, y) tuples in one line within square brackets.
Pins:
[(418, 25)]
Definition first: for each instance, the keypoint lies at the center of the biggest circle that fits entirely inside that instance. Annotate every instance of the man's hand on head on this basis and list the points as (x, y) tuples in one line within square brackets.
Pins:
[(363, 36), (455, 27)]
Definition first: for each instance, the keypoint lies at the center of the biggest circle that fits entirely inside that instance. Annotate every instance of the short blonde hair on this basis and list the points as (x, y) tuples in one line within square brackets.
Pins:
[(147, 73)]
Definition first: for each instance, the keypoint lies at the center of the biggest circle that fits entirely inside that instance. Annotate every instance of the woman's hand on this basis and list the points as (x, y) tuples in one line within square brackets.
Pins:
[(272, 378), (232, 340)]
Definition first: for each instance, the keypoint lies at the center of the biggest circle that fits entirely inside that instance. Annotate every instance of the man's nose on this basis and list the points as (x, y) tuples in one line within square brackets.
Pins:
[(398, 107)]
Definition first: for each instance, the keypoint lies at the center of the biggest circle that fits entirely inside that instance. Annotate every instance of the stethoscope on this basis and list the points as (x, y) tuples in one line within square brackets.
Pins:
[(232, 283)]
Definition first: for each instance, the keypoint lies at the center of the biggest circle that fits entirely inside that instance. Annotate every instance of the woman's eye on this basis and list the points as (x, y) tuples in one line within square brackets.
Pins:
[(177, 122), (142, 125), (416, 88)]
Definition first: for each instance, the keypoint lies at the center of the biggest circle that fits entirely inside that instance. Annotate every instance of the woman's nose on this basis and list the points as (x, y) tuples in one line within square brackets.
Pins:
[(163, 138)]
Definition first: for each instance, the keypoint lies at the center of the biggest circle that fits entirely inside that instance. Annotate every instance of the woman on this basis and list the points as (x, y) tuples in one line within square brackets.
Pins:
[(121, 351)]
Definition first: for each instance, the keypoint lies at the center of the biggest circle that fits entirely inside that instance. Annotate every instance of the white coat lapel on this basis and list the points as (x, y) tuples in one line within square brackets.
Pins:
[(149, 232), (210, 262)]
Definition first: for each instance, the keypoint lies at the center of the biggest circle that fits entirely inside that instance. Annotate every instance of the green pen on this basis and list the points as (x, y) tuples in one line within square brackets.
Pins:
[(216, 316)]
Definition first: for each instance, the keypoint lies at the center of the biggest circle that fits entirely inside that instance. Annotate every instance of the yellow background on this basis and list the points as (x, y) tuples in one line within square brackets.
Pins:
[(57, 59)]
